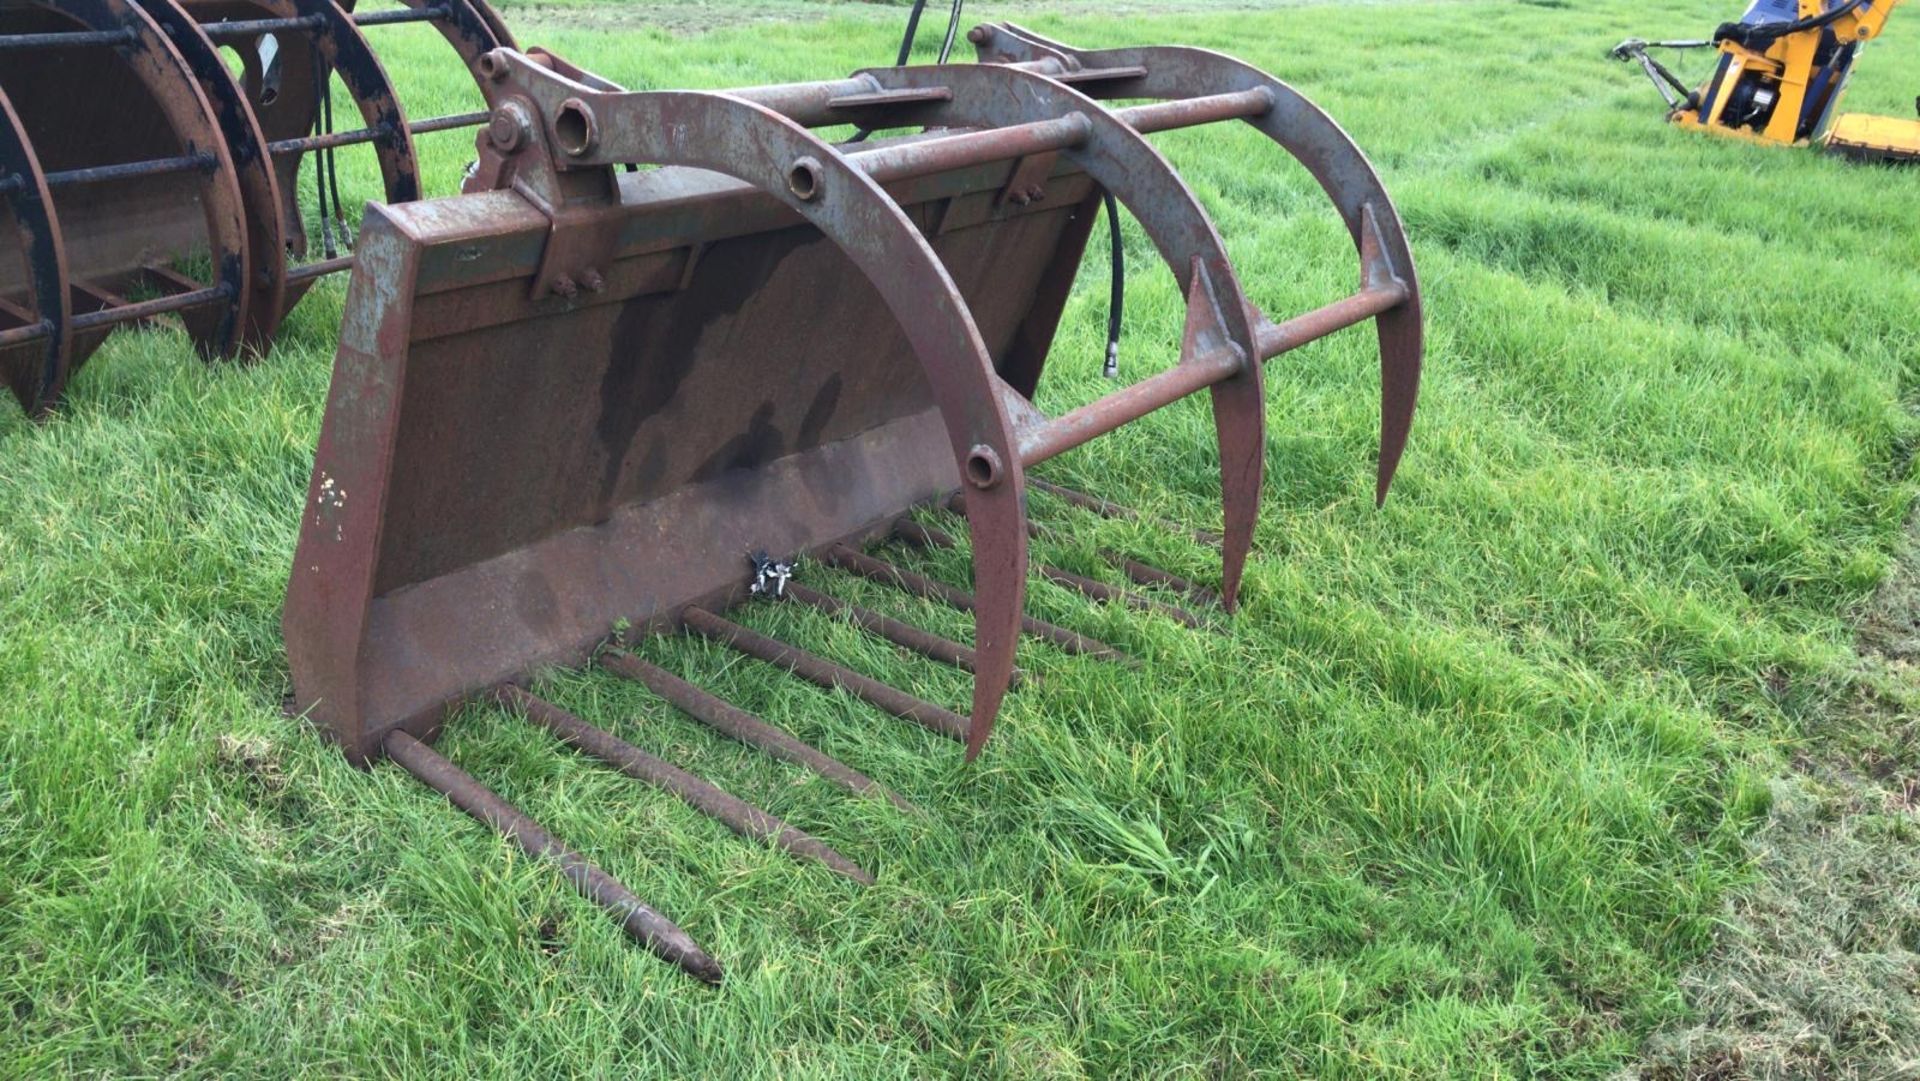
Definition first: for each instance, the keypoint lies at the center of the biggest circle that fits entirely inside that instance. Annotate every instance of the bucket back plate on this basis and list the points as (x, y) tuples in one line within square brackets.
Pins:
[(501, 478)]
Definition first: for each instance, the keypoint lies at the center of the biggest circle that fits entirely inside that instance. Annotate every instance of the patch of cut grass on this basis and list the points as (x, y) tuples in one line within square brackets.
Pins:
[(1465, 789)]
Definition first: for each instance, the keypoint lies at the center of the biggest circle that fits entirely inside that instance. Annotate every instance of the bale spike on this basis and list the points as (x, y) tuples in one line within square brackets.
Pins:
[(641, 923), (1148, 575), (919, 585), (1140, 573), (1106, 508), (730, 811)]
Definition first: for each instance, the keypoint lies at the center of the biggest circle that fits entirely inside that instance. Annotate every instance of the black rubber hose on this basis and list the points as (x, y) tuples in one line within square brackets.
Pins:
[(906, 51), (913, 31), (1762, 36), (953, 30), (1117, 294)]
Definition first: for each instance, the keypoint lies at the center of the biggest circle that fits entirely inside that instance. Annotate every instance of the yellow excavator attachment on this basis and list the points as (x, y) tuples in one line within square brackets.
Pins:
[(1874, 138), (1781, 71)]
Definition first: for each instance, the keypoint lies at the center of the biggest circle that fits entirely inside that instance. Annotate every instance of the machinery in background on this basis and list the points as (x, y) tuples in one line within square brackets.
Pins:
[(1782, 70), (150, 157)]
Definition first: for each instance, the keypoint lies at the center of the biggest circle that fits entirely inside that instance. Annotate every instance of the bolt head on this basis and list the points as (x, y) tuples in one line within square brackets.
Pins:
[(510, 127)]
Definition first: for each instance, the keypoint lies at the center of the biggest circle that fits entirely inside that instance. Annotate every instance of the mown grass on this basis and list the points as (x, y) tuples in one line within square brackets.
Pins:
[(1462, 791)]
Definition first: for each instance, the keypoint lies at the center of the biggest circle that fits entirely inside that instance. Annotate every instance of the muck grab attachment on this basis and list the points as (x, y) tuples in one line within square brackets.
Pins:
[(150, 153), (582, 396)]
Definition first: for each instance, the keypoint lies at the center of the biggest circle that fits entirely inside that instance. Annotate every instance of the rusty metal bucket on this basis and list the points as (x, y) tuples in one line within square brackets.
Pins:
[(146, 176), (580, 396)]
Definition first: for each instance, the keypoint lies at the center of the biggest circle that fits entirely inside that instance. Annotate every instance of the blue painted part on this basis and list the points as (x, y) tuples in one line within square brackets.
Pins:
[(1776, 11), (1713, 88)]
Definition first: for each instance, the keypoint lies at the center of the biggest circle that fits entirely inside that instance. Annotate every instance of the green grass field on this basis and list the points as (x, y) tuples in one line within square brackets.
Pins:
[(1466, 789)]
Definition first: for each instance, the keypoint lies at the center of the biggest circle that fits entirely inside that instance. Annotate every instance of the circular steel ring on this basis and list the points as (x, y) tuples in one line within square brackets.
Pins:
[(1124, 163), (36, 371), (259, 185), (174, 90)]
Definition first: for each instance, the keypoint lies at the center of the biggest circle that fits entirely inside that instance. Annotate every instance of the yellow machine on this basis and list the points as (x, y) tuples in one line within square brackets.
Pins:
[(1782, 70)]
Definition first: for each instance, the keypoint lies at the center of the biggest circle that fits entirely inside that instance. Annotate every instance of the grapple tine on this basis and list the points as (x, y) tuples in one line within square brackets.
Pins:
[(905, 635), (736, 814), (643, 924), (730, 720), (926, 536), (1401, 343), (1106, 508), (824, 673), (1147, 575), (920, 585), (1239, 415), (997, 517)]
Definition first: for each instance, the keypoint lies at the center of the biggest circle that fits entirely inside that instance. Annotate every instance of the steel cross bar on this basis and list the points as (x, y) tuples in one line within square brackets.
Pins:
[(71, 39), (236, 28), (381, 133), (1192, 112), (97, 174), (1072, 429), (1069, 430), (903, 161)]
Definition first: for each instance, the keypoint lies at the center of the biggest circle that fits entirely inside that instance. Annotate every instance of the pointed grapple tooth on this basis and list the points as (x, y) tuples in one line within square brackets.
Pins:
[(730, 720), (926, 536), (825, 673), (650, 928), (1401, 338), (736, 814), (920, 585)]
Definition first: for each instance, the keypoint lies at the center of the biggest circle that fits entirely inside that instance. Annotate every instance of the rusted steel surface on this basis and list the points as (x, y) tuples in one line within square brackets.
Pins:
[(147, 153), (583, 396), (38, 310), (736, 723), (697, 396), (736, 814), (650, 928)]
